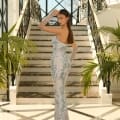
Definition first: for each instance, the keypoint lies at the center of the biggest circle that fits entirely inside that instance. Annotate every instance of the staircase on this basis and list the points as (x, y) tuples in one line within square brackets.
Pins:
[(36, 85)]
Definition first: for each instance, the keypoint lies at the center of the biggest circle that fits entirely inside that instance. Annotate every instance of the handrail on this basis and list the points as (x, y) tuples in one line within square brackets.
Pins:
[(31, 9), (78, 13), (35, 10), (99, 4), (94, 26), (16, 29), (97, 36), (3, 16), (20, 6)]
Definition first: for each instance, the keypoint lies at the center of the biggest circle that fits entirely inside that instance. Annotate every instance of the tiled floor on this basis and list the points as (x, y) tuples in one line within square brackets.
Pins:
[(46, 112)]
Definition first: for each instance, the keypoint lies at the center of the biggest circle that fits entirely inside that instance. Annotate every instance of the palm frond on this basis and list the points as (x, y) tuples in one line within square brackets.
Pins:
[(11, 29), (107, 65), (87, 75), (2, 78), (106, 29), (116, 71), (114, 31), (12, 54)]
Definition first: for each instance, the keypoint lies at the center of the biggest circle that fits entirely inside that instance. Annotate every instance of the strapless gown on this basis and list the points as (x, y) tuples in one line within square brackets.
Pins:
[(60, 67)]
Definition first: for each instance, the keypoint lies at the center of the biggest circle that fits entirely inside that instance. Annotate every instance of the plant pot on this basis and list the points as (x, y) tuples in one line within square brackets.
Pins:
[(106, 98), (12, 94), (102, 90)]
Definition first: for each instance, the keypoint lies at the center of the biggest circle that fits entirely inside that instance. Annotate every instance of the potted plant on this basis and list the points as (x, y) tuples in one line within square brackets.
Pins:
[(109, 62), (12, 49), (105, 68), (114, 46)]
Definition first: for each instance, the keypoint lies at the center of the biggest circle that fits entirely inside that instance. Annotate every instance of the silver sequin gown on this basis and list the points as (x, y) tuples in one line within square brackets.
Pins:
[(60, 67)]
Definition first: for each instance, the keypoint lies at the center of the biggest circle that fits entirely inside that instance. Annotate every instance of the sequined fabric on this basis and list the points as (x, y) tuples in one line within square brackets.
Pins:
[(60, 66)]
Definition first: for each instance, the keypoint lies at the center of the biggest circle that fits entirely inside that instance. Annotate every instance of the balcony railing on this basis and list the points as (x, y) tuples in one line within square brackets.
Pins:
[(3, 16)]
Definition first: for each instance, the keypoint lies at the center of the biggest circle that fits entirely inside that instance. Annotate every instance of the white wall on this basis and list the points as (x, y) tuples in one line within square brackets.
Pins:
[(13, 12), (115, 89), (111, 2)]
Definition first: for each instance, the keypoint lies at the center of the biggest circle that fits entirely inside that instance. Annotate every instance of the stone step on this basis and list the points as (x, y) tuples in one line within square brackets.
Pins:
[(39, 58), (32, 78), (36, 81), (39, 66), (2, 92), (80, 49), (47, 95), (50, 94), (48, 55), (47, 73), (40, 63), (48, 69), (49, 89), (49, 43), (50, 83), (74, 28), (76, 76), (43, 33), (34, 37), (84, 100)]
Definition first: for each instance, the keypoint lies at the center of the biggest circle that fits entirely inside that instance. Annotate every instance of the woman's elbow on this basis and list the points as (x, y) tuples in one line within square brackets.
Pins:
[(41, 26), (74, 45)]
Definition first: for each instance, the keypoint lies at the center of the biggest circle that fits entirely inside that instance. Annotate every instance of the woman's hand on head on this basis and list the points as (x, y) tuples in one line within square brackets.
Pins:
[(55, 12)]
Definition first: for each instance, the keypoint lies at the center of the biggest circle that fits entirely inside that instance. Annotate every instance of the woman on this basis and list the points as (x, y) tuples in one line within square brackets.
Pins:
[(60, 62)]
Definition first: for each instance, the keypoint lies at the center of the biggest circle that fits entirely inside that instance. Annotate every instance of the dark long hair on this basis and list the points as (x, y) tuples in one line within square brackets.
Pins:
[(70, 38)]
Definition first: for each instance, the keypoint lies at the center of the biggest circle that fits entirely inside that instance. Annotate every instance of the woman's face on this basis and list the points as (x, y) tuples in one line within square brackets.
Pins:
[(62, 19)]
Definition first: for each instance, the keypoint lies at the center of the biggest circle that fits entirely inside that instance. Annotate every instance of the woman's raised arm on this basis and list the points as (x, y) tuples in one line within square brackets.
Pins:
[(50, 15), (50, 29)]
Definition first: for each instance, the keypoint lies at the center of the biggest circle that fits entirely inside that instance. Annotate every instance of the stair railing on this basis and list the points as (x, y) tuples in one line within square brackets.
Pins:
[(97, 36), (94, 26), (31, 9), (3, 16), (82, 11), (3, 28), (99, 4)]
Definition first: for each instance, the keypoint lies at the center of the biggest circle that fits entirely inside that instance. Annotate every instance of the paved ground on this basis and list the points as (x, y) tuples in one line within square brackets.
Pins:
[(46, 112)]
